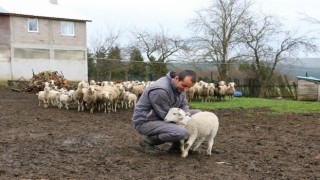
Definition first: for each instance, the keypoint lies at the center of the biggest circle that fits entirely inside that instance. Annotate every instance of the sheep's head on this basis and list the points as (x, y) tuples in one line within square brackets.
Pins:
[(175, 115), (106, 94), (47, 89)]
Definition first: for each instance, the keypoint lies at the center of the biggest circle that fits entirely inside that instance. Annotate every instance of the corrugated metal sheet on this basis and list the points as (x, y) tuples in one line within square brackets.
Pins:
[(39, 8), (313, 79)]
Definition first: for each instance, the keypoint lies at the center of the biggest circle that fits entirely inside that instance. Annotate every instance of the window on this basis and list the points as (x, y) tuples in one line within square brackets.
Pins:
[(67, 28), (69, 54), (26, 53), (33, 25)]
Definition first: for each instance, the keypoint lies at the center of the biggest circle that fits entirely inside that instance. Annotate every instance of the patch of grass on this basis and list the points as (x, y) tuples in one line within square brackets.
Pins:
[(277, 106)]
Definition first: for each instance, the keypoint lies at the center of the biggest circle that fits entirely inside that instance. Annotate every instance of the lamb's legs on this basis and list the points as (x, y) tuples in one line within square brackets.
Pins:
[(199, 142), (189, 143), (182, 145), (210, 144)]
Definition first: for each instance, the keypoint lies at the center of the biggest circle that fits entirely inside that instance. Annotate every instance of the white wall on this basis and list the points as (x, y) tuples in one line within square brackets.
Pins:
[(72, 70)]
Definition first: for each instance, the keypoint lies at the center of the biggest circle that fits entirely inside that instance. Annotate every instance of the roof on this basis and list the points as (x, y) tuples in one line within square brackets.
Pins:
[(39, 8), (313, 79)]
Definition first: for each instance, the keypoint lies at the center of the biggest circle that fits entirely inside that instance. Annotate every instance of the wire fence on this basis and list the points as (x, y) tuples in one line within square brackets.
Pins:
[(284, 85)]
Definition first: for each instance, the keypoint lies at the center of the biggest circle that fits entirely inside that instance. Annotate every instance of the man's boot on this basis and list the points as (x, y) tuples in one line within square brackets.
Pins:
[(175, 147), (149, 142)]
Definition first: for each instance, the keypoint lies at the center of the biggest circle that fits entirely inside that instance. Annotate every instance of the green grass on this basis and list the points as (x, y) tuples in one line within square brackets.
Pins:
[(277, 106)]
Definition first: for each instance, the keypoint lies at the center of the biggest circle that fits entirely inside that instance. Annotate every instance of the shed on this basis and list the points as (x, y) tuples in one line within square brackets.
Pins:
[(308, 89)]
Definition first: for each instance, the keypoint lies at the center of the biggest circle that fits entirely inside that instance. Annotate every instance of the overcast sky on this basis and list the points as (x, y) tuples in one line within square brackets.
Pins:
[(173, 15)]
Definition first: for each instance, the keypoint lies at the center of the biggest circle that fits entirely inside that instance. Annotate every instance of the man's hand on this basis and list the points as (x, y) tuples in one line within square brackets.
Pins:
[(185, 120)]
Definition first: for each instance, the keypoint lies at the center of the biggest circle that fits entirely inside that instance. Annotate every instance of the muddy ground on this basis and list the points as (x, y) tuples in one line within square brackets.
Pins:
[(39, 143)]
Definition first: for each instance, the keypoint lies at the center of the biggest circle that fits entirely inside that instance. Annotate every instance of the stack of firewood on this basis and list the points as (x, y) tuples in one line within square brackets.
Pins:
[(36, 83)]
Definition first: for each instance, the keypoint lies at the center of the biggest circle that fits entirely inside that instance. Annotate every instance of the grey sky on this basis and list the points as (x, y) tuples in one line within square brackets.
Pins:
[(173, 15)]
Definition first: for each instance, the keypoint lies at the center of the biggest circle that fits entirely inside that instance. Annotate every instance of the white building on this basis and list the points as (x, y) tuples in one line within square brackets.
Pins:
[(41, 35)]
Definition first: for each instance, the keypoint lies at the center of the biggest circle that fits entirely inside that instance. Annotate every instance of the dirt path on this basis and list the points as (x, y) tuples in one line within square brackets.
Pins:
[(54, 143)]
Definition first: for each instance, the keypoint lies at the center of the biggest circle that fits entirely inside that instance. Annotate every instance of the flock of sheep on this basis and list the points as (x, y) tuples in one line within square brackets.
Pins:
[(210, 92), (107, 96)]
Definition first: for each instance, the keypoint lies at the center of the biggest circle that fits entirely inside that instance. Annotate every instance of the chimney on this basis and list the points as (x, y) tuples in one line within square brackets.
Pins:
[(55, 2)]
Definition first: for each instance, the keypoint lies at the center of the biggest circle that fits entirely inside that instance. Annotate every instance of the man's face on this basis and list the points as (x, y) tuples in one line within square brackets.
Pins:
[(183, 85)]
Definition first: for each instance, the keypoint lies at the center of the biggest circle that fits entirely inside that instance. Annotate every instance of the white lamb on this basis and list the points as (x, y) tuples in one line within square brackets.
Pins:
[(43, 96), (65, 100), (90, 98), (202, 126), (130, 100)]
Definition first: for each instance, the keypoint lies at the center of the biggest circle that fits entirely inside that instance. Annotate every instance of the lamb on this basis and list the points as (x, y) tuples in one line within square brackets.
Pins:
[(114, 91), (43, 96), (231, 90), (130, 100), (105, 100), (65, 99), (78, 95), (190, 93), (211, 90), (204, 92), (202, 126), (90, 98), (222, 88), (54, 97), (138, 90)]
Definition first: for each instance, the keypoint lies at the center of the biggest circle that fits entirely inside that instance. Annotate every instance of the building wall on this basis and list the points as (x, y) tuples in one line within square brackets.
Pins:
[(4, 30), (49, 33), (5, 66), (14, 43)]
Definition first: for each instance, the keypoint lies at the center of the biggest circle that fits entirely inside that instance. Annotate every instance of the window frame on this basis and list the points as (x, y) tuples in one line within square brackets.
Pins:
[(67, 28), (31, 24)]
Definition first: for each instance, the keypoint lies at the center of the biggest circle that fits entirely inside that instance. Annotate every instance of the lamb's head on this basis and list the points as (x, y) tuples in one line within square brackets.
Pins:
[(106, 95), (47, 89), (175, 115)]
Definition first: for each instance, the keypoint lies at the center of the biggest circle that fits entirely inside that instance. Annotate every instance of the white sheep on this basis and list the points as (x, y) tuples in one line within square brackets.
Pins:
[(43, 96), (54, 98), (65, 99), (204, 92), (90, 98), (222, 88), (130, 100), (202, 126), (78, 95), (105, 100), (114, 91), (190, 93), (138, 90), (231, 90)]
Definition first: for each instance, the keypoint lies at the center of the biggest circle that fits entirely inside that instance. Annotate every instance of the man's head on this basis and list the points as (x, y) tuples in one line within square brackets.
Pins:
[(185, 80)]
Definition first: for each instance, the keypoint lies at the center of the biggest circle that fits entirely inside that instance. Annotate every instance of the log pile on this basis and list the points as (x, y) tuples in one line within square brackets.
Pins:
[(36, 83)]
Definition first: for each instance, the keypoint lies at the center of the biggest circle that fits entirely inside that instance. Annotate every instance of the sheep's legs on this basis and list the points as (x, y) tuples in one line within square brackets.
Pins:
[(189, 143), (210, 144), (199, 142), (182, 145)]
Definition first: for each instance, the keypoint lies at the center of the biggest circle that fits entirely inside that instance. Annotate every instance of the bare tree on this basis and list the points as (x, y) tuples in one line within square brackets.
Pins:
[(104, 40), (217, 32), (100, 45), (310, 19), (158, 47), (268, 46)]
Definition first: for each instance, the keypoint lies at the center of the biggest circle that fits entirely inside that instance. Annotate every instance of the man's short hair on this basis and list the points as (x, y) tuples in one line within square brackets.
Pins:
[(186, 73)]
